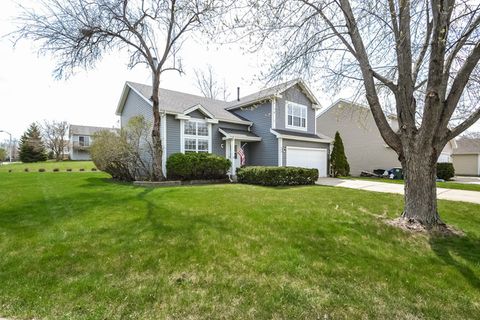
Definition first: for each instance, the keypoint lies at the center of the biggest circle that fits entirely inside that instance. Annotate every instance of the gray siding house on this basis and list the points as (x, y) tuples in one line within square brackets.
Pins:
[(274, 127)]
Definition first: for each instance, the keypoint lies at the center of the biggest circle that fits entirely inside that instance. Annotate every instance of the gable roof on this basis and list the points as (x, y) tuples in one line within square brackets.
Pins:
[(86, 130), (179, 102), (467, 146), (271, 92)]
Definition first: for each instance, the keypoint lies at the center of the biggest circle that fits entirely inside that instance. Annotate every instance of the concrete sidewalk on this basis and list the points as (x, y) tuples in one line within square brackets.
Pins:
[(442, 193)]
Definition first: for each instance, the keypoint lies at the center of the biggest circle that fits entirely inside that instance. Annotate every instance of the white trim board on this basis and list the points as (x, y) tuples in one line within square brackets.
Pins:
[(280, 152), (291, 137), (202, 110), (163, 122), (274, 113), (229, 136)]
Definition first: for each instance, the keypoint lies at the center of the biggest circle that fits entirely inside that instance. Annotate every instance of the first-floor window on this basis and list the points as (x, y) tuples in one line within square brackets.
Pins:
[(196, 136)]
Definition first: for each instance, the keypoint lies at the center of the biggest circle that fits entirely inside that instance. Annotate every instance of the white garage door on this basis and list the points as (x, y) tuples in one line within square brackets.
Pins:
[(308, 158)]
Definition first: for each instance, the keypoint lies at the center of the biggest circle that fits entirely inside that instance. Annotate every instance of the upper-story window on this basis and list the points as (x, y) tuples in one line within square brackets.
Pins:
[(196, 136), (84, 141), (296, 116)]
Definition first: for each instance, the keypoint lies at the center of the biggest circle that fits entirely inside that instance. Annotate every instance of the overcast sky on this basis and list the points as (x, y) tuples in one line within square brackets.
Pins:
[(29, 92)]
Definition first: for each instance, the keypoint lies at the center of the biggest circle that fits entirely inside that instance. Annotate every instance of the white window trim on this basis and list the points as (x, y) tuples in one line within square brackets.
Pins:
[(183, 135), (287, 103)]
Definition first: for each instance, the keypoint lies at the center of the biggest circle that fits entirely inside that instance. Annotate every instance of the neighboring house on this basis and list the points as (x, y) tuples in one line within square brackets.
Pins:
[(80, 140), (466, 157), (274, 127), (364, 146)]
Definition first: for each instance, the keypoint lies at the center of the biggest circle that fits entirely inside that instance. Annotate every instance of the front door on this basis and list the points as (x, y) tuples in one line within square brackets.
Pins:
[(232, 153)]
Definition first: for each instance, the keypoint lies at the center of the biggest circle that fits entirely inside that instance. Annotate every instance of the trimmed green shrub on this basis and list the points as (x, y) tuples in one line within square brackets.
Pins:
[(69, 170), (445, 171), (41, 170), (338, 159), (81, 169), (277, 176), (94, 169), (56, 170), (197, 166), (26, 169)]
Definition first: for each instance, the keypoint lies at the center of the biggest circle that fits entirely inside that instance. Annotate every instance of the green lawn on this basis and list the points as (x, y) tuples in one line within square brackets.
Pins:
[(48, 166), (446, 185), (78, 246)]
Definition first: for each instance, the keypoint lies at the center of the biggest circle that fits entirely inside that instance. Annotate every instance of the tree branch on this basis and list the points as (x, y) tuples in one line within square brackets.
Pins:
[(474, 117)]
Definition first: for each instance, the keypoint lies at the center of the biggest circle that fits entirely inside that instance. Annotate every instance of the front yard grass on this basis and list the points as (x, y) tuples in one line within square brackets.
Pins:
[(446, 185), (78, 246)]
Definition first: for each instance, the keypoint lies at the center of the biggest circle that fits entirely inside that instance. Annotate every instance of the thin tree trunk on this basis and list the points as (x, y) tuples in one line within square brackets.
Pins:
[(156, 139), (420, 188)]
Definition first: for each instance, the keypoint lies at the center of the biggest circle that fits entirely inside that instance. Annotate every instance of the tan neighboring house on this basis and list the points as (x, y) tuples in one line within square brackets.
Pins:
[(364, 146), (466, 157), (80, 140)]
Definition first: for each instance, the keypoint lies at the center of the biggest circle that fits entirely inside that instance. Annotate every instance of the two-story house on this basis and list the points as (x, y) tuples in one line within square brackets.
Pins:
[(80, 139), (274, 127)]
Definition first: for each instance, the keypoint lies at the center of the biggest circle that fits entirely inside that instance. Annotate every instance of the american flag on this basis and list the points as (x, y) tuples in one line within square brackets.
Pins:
[(241, 154)]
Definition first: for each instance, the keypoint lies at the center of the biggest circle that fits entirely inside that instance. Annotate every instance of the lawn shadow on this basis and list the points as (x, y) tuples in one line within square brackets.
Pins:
[(467, 248)]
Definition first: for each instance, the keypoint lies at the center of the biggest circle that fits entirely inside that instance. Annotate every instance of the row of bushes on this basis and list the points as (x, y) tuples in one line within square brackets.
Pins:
[(277, 176), (54, 170)]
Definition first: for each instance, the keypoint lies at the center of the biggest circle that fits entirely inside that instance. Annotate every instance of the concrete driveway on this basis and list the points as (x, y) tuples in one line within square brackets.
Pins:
[(445, 194), (467, 180)]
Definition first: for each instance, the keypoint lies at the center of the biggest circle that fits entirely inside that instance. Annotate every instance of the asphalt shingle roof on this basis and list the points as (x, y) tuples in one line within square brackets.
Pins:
[(178, 102), (86, 130), (262, 94), (467, 146)]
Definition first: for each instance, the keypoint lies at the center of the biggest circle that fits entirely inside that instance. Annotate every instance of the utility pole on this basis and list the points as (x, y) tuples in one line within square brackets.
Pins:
[(9, 145)]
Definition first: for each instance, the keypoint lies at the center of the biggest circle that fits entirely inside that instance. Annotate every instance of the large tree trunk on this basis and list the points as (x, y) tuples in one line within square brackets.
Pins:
[(156, 139), (420, 188)]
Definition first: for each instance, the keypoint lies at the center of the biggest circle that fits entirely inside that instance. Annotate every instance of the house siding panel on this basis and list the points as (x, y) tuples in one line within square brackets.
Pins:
[(135, 106), (294, 94), (173, 135), (263, 153), (197, 114)]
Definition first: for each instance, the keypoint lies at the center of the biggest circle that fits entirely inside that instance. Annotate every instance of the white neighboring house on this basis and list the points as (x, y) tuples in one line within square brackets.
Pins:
[(364, 146), (80, 139)]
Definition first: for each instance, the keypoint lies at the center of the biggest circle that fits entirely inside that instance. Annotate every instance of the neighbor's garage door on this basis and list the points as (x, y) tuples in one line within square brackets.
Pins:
[(308, 158)]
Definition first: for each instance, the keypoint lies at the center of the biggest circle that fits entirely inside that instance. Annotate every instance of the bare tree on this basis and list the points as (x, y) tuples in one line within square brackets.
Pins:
[(55, 133), (419, 56), (209, 86), (78, 33)]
